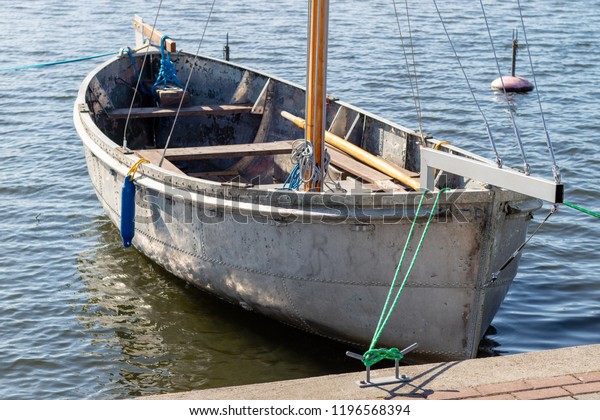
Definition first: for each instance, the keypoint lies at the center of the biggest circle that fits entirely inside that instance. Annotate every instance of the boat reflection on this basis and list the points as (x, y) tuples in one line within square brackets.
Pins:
[(488, 346), (157, 334)]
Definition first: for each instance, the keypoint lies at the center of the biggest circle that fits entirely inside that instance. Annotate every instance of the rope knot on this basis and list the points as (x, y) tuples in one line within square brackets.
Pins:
[(377, 355), (167, 75)]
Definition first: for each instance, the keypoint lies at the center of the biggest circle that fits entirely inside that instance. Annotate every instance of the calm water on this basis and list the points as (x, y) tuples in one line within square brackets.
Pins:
[(83, 318)]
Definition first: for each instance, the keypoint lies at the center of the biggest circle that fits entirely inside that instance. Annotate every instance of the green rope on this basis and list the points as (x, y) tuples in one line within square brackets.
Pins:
[(54, 63), (374, 355), (581, 209)]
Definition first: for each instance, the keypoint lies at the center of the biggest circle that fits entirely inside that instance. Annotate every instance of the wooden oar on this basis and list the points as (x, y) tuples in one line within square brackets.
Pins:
[(360, 154)]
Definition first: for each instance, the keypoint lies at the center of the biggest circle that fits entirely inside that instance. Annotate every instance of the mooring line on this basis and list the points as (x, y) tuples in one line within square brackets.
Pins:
[(581, 209), (55, 63), (374, 355)]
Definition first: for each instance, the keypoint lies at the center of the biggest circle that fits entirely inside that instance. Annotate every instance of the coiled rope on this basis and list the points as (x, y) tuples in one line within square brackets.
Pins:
[(305, 169), (374, 355), (167, 75)]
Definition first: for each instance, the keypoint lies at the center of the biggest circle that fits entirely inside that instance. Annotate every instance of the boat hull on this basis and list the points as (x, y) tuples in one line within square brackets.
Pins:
[(331, 277), (324, 262)]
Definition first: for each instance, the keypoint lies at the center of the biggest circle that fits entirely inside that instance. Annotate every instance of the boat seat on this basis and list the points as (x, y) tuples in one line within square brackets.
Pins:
[(377, 179), (154, 156), (217, 175), (228, 177), (188, 111), (227, 150)]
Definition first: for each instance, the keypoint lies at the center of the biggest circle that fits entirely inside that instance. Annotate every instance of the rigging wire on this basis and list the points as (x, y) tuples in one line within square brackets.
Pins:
[(187, 83), (413, 87), (139, 78), (487, 125), (555, 167), (414, 62), (526, 166), (510, 259)]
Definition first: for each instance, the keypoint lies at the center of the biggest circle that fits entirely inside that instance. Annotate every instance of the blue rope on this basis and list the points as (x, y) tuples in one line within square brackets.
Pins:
[(167, 73), (137, 72), (293, 180), (54, 63)]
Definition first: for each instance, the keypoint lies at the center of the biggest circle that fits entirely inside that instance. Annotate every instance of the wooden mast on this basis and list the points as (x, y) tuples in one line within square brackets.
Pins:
[(316, 83)]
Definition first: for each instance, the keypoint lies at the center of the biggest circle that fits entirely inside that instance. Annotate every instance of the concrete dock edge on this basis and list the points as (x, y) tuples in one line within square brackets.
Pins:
[(567, 373)]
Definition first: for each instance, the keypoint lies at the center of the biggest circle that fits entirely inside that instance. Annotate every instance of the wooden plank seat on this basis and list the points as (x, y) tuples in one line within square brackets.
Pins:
[(154, 156), (378, 179), (218, 175), (227, 150), (362, 171), (188, 111)]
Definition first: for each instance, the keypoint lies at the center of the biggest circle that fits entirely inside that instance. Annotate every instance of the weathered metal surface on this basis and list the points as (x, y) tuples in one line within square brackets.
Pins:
[(305, 258)]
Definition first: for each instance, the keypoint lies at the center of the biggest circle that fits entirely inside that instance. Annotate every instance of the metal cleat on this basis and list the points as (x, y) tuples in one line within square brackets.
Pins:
[(397, 378)]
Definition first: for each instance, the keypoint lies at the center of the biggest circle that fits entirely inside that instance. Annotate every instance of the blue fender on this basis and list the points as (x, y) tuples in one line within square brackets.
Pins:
[(128, 211)]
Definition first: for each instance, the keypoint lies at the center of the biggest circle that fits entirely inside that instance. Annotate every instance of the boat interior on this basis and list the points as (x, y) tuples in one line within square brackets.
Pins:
[(232, 126)]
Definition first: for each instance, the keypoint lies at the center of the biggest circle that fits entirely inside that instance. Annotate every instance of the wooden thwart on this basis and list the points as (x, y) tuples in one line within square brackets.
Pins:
[(151, 112), (364, 172), (339, 159), (228, 151), (349, 164), (216, 174), (154, 156)]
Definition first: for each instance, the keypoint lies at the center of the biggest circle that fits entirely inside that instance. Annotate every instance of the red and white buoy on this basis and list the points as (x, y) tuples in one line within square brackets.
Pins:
[(513, 83)]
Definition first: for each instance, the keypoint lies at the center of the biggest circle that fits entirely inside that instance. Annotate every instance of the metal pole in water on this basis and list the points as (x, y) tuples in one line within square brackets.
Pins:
[(515, 47), (226, 48)]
